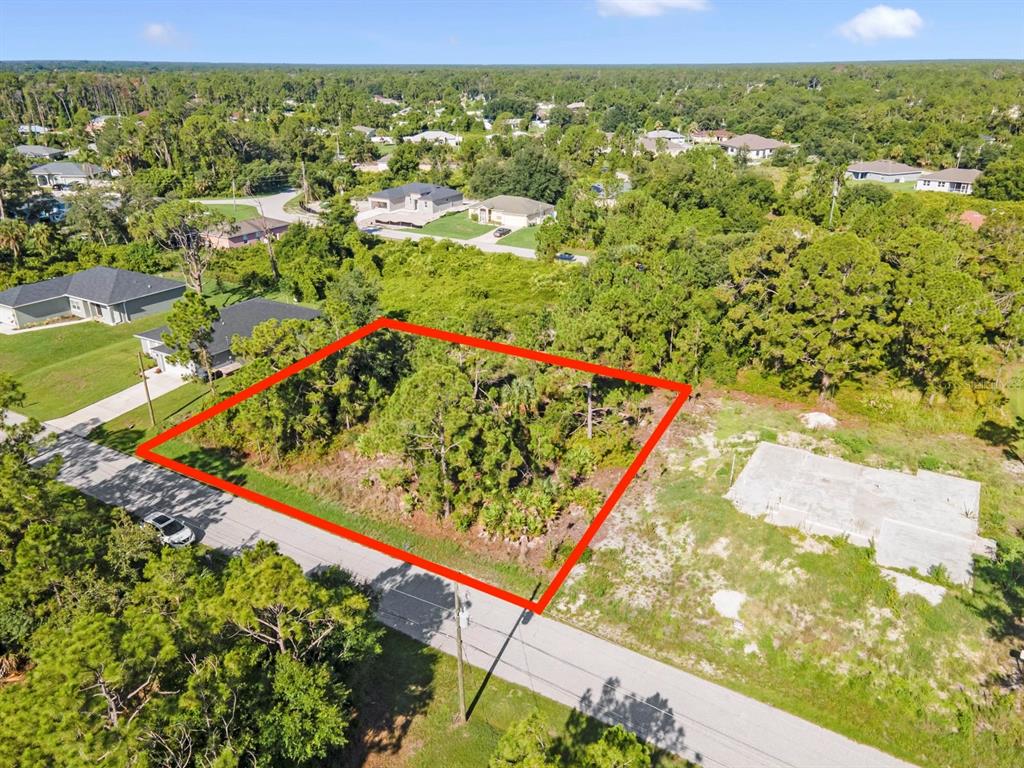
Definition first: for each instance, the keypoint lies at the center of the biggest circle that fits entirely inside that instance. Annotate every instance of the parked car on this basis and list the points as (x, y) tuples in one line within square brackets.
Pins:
[(171, 530), (502, 231), (565, 256)]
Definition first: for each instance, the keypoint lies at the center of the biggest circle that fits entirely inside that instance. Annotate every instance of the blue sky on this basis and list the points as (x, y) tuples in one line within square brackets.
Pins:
[(510, 31)]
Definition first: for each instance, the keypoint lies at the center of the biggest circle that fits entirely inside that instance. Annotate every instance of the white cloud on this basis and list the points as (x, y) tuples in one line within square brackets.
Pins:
[(880, 22), (647, 7), (161, 34)]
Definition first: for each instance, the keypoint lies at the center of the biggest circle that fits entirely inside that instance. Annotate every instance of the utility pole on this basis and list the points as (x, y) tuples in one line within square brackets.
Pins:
[(234, 205), (145, 386), (267, 237), (458, 655), (305, 186), (835, 194), (590, 410)]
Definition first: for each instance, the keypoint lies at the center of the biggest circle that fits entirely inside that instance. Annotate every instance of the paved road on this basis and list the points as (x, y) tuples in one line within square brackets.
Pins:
[(85, 420), (272, 205), (484, 242), (694, 718)]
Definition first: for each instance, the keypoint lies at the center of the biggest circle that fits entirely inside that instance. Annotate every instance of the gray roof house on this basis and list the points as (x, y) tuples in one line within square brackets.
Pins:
[(415, 203), (65, 173), (883, 170), (663, 134), (959, 181), (39, 152), (235, 320), (434, 137), (756, 148), (109, 295), (511, 211)]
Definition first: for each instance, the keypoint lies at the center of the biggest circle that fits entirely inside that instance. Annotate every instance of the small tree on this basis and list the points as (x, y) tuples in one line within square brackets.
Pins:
[(180, 225), (190, 331)]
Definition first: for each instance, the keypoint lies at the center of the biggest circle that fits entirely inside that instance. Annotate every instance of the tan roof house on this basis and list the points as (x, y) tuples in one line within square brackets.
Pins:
[(888, 171), (434, 137), (244, 232), (959, 181), (511, 211), (711, 137), (756, 148)]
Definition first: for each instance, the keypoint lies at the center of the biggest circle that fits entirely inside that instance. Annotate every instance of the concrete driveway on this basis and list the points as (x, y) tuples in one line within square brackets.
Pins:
[(84, 421)]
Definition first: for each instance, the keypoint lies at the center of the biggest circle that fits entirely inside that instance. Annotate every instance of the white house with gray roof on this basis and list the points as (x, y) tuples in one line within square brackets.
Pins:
[(235, 320), (888, 171), (959, 181), (434, 137), (111, 296), (66, 174), (415, 196), (755, 148)]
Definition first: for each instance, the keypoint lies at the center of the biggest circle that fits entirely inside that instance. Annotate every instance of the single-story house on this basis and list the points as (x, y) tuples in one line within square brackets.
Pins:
[(415, 196), (109, 295), (960, 181), (366, 130), (883, 170), (65, 173), (719, 136), (235, 320), (247, 231), (380, 165), (98, 123), (385, 100), (33, 128), (664, 146), (575, 105), (511, 211), (39, 152), (383, 139), (756, 148), (664, 134), (434, 137)]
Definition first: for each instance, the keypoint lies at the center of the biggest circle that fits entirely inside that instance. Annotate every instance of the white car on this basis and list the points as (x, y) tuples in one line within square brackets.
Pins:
[(173, 532)]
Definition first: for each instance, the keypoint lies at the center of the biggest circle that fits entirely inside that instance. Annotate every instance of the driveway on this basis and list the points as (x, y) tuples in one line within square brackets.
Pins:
[(84, 421), (694, 718), (492, 247), (272, 206)]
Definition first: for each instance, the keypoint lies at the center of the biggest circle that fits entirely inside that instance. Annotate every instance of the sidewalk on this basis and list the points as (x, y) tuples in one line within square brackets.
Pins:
[(699, 720), (84, 421)]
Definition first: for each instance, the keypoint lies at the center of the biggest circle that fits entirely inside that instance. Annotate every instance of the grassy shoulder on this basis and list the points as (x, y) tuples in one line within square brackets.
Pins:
[(917, 680), (521, 238), (409, 701), (234, 211)]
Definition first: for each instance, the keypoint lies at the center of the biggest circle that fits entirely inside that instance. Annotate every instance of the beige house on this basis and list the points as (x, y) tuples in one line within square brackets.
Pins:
[(244, 232), (959, 181), (711, 137), (434, 137), (756, 148), (511, 211)]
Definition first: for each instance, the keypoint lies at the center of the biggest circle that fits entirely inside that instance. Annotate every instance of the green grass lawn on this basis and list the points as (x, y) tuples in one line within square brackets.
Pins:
[(457, 226), (407, 704), (236, 212), (521, 238), (892, 186)]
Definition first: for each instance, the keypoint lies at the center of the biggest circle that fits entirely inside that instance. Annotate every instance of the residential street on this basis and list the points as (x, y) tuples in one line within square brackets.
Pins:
[(699, 720), (272, 205)]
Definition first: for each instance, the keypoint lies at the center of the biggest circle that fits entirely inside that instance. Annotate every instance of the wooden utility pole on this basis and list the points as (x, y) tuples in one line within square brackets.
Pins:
[(305, 185), (835, 194), (145, 386), (458, 655), (234, 205), (590, 410)]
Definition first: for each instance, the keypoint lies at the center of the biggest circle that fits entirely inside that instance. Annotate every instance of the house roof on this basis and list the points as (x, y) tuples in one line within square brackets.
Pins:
[(102, 285), (432, 191), (64, 168), (959, 175), (521, 206), (239, 320), (256, 226), (883, 167), (719, 133), (37, 150), (751, 141), (432, 135), (652, 145), (364, 129), (663, 134)]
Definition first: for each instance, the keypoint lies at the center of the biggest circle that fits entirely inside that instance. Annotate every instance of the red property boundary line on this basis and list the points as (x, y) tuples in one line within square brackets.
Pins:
[(146, 451)]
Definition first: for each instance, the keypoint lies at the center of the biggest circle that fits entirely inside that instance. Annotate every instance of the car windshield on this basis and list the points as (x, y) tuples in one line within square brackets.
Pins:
[(172, 528)]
